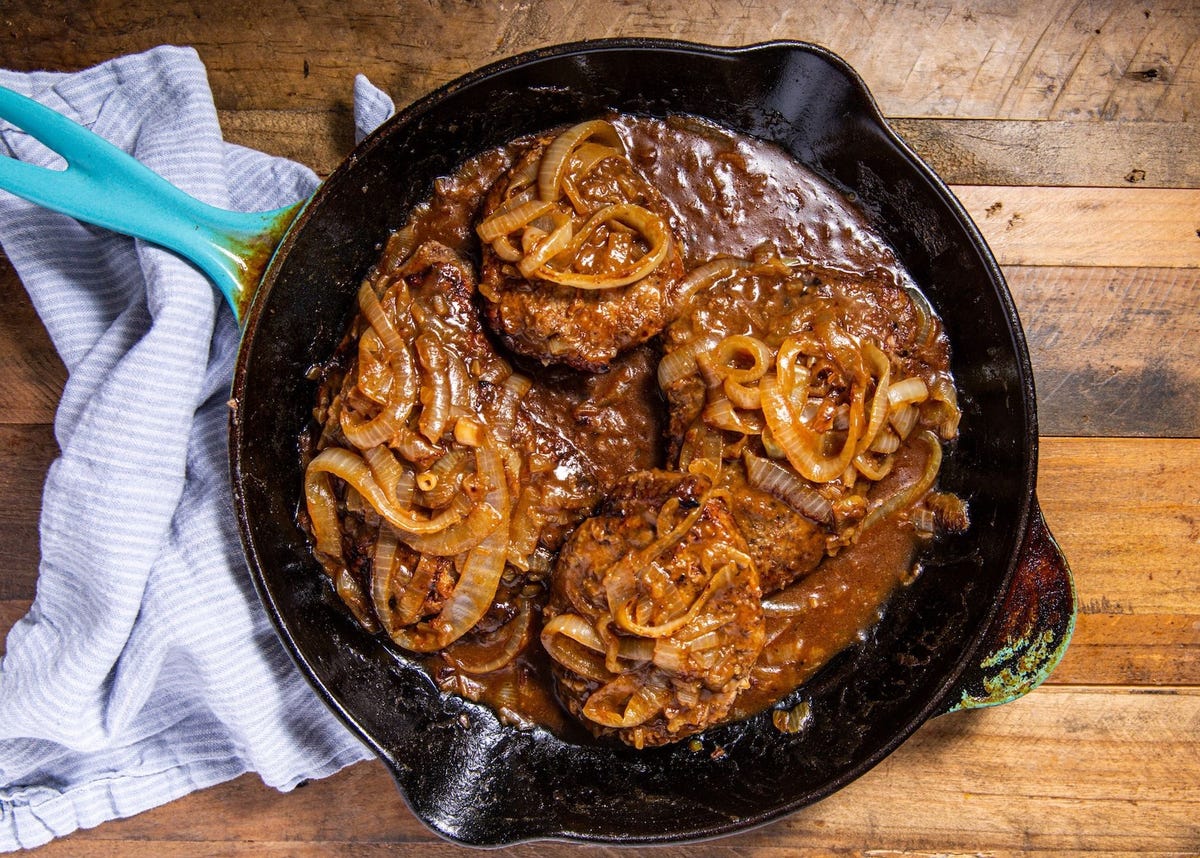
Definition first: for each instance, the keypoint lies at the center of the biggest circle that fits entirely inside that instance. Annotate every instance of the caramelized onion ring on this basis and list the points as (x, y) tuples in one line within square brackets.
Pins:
[(652, 227), (910, 494), (480, 657), (509, 218), (625, 702), (480, 575), (558, 154), (779, 482), (351, 468), (802, 445)]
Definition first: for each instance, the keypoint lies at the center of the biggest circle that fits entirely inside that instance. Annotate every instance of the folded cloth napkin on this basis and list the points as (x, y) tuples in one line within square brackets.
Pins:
[(145, 668)]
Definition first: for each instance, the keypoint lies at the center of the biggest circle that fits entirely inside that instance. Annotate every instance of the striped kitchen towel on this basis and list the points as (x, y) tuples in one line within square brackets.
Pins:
[(146, 668)]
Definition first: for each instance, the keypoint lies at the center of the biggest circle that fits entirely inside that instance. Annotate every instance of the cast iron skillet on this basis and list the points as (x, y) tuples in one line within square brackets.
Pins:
[(986, 621)]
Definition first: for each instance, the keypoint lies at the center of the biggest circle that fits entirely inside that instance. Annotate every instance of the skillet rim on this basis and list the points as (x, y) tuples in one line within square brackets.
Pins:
[(950, 683)]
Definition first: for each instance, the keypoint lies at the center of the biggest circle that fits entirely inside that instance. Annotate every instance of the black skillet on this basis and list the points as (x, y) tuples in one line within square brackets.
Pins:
[(987, 620)]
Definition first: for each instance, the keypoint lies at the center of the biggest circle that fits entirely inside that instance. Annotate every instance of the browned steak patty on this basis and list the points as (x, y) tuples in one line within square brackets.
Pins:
[(584, 328), (655, 616), (769, 301)]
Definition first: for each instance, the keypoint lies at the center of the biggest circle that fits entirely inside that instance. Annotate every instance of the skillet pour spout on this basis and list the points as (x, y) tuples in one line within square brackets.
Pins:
[(987, 619)]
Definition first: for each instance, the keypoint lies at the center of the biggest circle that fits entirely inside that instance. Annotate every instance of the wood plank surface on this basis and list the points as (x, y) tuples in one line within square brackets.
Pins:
[(1026, 59), (1057, 152), (1123, 154), (1097, 227), (1086, 329), (1069, 131), (968, 782), (1139, 617)]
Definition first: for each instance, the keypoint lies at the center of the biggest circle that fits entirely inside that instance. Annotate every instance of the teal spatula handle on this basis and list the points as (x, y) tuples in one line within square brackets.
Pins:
[(103, 185)]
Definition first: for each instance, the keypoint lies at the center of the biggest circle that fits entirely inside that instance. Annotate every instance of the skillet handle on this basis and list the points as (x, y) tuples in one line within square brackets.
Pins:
[(105, 186), (1030, 633)]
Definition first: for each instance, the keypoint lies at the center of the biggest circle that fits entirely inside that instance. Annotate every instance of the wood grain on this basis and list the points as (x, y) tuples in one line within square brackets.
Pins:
[(1127, 514), (1027, 59), (31, 373), (1057, 152), (1139, 620), (1069, 131), (1087, 227), (25, 455), (1088, 331), (970, 781), (962, 151), (1156, 650)]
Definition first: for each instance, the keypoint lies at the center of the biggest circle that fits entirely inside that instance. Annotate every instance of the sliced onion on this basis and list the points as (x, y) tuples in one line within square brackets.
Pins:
[(874, 470), (478, 658), (652, 227), (380, 428), (904, 420), (925, 315), (481, 570), (321, 503), (377, 317), (703, 451), (909, 495), (670, 655), (521, 184), (879, 399), (907, 390), (351, 468), (740, 395), (414, 448), (352, 595), (447, 473), (512, 217), (527, 524), (401, 397), (481, 520), (435, 388), (503, 413), (571, 641), (588, 155), (624, 703), (390, 475), (733, 348), (885, 442), (400, 245), (373, 376), (372, 432), (770, 446), (620, 579), (505, 250), (779, 482), (557, 155), (627, 623), (943, 392), (546, 249), (802, 445), (414, 595), (680, 363), (719, 412), (461, 536), (713, 271), (576, 628), (383, 576)]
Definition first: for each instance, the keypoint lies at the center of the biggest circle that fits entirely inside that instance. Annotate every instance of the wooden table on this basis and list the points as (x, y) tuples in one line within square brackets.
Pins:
[(1069, 130)]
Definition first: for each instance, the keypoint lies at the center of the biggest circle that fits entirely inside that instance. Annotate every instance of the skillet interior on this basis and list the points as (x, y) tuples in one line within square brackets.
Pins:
[(486, 784)]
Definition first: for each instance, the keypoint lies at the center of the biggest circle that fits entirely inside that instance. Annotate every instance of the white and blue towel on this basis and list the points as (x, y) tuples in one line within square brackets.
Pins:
[(146, 668)]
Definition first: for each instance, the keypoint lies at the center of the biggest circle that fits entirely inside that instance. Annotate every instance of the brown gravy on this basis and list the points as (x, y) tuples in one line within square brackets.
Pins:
[(729, 195)]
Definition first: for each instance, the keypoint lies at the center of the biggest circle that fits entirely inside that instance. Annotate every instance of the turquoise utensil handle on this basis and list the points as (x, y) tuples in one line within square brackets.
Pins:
[(103, 185)]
